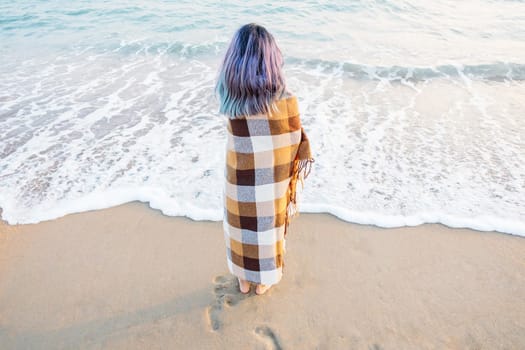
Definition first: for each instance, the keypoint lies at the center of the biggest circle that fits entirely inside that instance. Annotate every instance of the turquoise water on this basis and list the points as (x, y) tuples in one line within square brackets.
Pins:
[(414, 109)]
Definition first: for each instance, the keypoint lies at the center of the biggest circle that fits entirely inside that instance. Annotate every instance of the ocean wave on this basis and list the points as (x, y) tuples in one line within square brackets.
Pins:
[(108, 103), (496, 71), (142, 48), (481, 223)]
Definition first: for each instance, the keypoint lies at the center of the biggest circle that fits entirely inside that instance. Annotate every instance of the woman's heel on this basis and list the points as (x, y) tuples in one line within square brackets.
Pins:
[(262, 288), (244, 286)]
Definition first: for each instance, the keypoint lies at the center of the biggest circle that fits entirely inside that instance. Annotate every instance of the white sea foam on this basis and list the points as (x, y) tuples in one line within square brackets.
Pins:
[(403, 132)]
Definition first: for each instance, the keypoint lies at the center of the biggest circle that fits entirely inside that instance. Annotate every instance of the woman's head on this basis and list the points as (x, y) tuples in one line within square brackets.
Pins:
[(250, 77)]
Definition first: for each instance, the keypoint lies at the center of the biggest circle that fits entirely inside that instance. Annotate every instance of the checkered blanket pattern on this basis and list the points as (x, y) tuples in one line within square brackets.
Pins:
[(265, 157)]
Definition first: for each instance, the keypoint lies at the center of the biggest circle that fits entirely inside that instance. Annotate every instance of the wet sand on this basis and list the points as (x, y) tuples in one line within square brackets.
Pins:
[(129, 277)]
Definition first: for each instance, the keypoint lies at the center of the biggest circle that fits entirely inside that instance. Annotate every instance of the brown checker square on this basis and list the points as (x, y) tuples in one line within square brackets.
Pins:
[(245, 177), (233, 219), (279, 261), (280, 219), (282, 172), (278, 126), (239, 127), (248, 222), (294, 123), (241, 161), (237, 259), (247, 209), (250, 251), (251, 264)]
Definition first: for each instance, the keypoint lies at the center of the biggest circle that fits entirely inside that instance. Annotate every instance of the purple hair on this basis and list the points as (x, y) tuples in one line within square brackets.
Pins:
[(250, 77)]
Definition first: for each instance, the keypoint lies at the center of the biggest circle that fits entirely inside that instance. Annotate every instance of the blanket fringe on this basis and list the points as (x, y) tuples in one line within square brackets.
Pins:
[(301, 170)]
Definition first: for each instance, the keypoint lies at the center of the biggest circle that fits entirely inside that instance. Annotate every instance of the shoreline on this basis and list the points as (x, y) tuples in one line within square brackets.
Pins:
[(132, 277), (513, 228)]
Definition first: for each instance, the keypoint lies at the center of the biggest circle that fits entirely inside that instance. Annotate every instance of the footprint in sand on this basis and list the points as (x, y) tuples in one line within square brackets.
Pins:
[(268, 336), (226, 292)]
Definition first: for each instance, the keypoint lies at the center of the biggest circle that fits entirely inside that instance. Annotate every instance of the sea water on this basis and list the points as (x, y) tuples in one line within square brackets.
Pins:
[(415, 109)]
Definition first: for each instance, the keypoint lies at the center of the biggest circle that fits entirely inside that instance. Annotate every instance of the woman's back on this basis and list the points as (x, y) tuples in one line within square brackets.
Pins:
[(265, 139)]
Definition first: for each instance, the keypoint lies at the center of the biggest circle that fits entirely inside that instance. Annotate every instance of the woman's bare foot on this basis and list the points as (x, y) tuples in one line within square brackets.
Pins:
[(244, 286), (262, 288)]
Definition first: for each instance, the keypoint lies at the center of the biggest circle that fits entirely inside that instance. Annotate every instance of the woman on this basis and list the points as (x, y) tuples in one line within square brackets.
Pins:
[(267, 152)]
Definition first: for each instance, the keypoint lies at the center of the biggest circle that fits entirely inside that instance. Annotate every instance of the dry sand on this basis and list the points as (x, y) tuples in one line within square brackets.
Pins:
[(131, 278)]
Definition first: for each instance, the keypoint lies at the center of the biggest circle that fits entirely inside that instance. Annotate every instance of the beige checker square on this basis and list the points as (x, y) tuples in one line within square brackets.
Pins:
[(263, 159), (267, 251), (266, 208)]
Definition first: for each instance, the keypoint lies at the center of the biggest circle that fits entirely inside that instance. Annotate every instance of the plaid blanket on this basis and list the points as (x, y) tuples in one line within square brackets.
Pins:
[(266, 156)]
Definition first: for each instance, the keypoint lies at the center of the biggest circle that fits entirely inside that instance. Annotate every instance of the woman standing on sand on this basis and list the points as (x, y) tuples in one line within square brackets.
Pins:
[(267, 153)]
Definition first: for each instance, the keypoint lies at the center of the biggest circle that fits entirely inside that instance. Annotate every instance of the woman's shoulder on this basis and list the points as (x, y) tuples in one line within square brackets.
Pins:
[(285, 106), (286, 98)]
